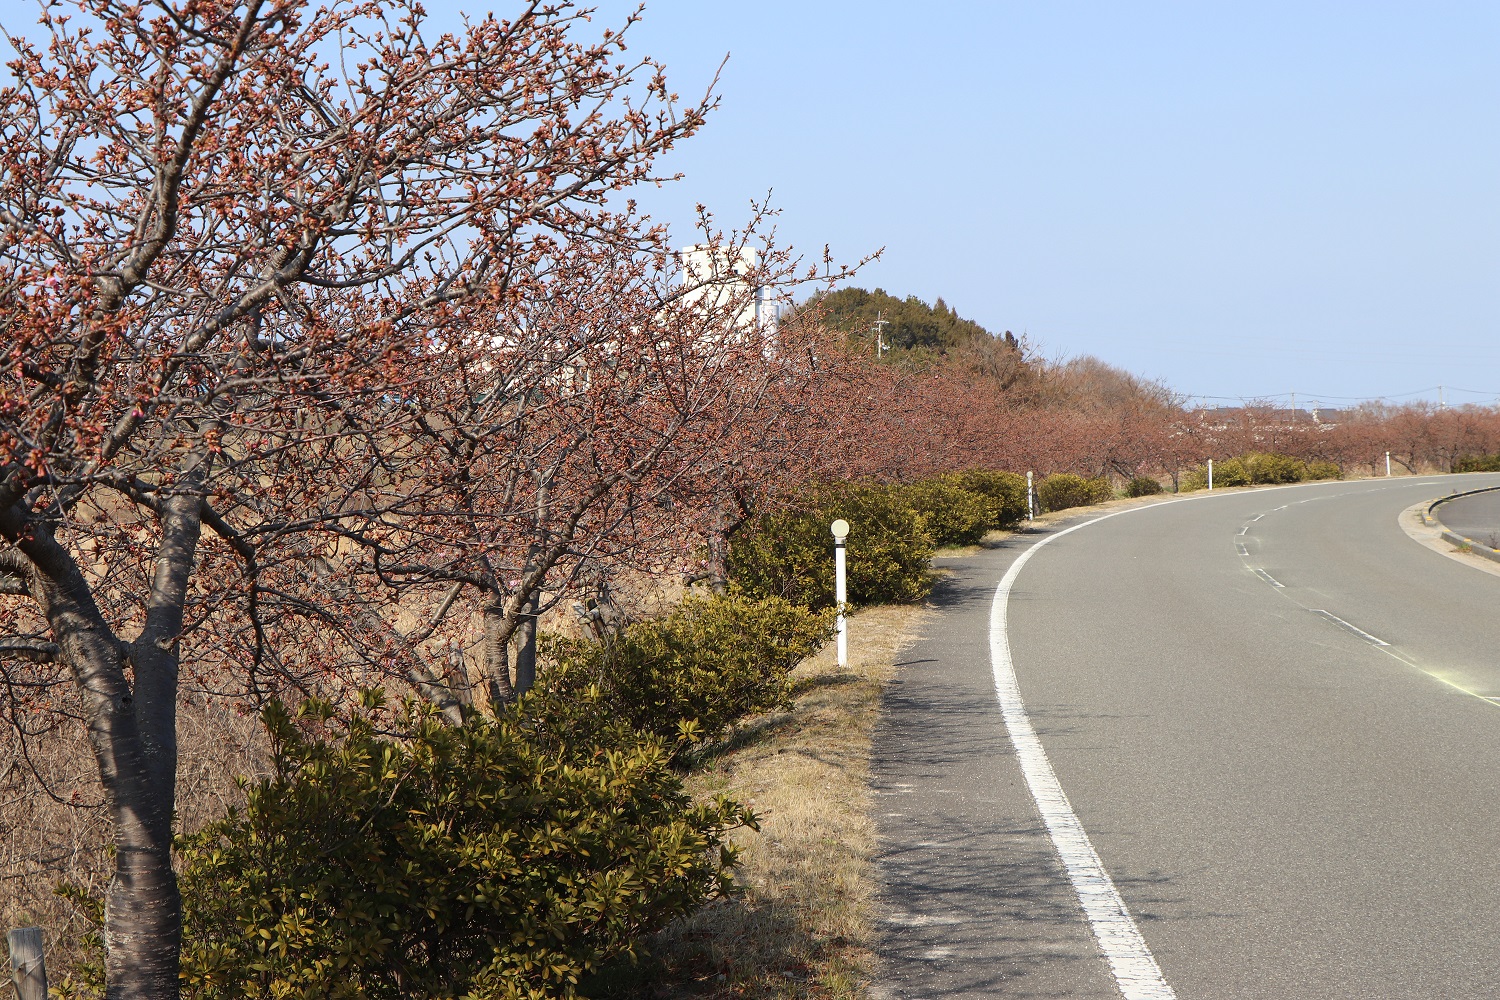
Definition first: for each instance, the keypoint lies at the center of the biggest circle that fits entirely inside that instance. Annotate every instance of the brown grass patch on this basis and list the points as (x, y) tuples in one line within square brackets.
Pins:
[(802, 926)]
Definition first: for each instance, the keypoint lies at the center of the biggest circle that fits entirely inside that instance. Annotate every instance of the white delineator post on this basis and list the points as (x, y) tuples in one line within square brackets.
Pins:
[(1387, 463), (840, 530), (1030, 507), (1210, 473)]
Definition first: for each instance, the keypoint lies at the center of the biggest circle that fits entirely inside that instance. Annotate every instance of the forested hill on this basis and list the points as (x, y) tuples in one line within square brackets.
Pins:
[(912, 326)]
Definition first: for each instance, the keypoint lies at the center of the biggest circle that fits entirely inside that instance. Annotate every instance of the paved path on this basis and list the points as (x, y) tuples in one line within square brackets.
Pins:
[(1476, 517), (1270, 712)]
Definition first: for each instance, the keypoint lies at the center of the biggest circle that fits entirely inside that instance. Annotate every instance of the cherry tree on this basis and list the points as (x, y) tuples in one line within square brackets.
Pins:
[(224, 262), (587, 417)]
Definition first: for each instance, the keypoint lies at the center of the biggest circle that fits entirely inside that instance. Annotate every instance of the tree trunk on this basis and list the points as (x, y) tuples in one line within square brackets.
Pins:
[(718, 555), (136, 759), (132, 729), (496, 654), (526, 649)]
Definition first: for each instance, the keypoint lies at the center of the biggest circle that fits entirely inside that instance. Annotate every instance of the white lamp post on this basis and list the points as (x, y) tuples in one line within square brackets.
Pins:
[(1030, 503), (840, 530)]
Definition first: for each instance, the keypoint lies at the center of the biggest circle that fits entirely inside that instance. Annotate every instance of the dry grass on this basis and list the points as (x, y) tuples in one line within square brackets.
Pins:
[(53, 828), (802, 925)]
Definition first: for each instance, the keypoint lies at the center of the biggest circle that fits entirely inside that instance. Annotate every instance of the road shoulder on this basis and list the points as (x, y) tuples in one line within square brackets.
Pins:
[(973, 899)]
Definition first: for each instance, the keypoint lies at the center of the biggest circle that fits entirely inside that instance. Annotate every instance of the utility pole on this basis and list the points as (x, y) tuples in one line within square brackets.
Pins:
[(880, 324), (1441, 405)]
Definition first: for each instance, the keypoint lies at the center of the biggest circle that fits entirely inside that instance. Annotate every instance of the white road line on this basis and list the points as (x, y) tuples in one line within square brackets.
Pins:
[(1134, 967), (1257, 517), (1240, 548), (1270, 579), (1352, 628), (1245, 530)]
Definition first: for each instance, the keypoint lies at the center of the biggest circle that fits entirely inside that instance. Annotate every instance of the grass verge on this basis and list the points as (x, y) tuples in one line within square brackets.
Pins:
[(802, 927)]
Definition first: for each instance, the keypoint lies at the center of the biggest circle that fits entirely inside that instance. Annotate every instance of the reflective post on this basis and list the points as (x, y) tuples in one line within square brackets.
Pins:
[(840, 530), (1030, 506), (1210, 473)]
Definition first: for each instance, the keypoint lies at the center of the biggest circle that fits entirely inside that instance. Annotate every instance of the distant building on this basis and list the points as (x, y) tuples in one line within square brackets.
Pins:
[(714, 275)]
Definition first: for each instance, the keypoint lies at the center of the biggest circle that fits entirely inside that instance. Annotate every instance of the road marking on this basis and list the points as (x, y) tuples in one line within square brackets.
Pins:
[(1240, 548), (1245, 530), (1257, 517), (1134, 967), (1269, 578), (1367, 637)]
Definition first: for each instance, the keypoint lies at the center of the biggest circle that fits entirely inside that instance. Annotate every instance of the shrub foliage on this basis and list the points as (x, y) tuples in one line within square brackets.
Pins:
[(789, 554), (949, 513), (1004, 494), (1477, 463), (390, 855), (1063, 490), (1142, 486), (1260, 468), (697, 670)]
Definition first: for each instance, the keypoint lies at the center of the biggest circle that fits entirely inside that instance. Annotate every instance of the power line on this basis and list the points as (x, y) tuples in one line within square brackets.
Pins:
[(1321, 397)]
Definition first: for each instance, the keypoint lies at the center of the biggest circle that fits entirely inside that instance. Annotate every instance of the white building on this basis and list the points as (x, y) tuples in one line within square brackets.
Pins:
[(714, 274)]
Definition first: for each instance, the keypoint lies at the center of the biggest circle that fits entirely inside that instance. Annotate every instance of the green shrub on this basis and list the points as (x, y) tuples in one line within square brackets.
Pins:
[(950, 514), (1271, 468), (789, 554), (391, 855), (1004, 494), (1324, 469), (1142, 486), (1477, 463), (1063, 490), (1231, 472), (699, 669)]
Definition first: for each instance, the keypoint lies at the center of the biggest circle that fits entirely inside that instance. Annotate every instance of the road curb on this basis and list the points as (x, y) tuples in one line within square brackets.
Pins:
[(1429, 518)]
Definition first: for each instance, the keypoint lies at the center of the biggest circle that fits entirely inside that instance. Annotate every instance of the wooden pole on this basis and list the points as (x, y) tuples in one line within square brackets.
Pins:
[(26, 968)]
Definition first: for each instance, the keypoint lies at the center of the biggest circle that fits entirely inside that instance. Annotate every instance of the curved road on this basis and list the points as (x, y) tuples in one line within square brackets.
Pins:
[(1476, 517), (1277, 719)]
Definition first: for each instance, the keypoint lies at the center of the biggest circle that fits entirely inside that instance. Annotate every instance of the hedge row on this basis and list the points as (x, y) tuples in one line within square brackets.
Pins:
[(1477, 463), (788, 554), (1260, 468)]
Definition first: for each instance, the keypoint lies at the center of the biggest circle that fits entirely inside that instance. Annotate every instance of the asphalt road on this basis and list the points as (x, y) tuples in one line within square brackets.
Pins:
[(1272, 713), (1476, 517)]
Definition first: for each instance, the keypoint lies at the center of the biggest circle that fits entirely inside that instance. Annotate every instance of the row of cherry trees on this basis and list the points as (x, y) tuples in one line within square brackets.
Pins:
[(922, 423), (318, 378)]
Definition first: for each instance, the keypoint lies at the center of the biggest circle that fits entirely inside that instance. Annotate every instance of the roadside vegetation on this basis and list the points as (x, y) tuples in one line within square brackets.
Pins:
[(348, 491)]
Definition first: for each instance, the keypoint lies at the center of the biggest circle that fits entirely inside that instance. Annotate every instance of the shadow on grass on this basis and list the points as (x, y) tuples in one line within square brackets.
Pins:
[(742, 737), (769, 726), (741, 947)]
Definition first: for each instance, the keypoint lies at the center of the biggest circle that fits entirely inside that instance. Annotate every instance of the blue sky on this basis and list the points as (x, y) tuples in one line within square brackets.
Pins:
[(1240, 199)]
